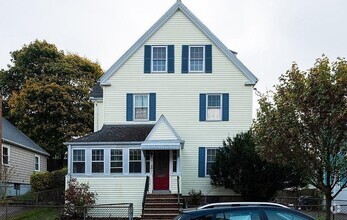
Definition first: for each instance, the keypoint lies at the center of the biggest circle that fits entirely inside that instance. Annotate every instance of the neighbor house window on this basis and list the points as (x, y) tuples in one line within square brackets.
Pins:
[(78, 161), (210, 159), (214, 107), (5, 155), (141, 107), (159, 58), (116, 161), (196, 59), (37, 163), (98, 161), (134, 161)]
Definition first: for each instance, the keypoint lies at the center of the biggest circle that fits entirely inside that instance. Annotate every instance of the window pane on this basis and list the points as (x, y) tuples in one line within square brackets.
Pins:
[(174, 161), (141, 100), (159, 59), (116, 161), (135, 161), (196, 58), (5, 155), (98, 161), (210, 159), (37, 163), (78, 167), (78, 155), (213, 100), (243, 214), (148, 161), (280, 214), (141, 113)]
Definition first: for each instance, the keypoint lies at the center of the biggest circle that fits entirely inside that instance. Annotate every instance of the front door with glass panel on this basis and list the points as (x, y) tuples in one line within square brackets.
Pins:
[(161, 170)]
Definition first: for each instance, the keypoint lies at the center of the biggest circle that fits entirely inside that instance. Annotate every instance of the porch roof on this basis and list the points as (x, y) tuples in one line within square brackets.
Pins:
[(117, 133)]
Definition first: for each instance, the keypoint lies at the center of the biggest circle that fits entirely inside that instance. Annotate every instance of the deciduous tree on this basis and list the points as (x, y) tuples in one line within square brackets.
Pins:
[(304, 123)]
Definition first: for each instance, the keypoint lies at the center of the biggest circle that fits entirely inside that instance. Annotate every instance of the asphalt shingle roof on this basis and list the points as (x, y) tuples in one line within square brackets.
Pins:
[(97, 91), (119, 133), (14, 136)]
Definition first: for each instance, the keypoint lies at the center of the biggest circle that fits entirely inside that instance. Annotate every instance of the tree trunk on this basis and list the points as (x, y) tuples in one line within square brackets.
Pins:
[(328, 200)]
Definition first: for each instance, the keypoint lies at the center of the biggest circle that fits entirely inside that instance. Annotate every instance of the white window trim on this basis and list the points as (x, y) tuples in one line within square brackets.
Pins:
[(166, 59), (97, 161), (8, 156), (85, 162), (206, 149), (39, 162), (122, 150), (203, 59), (134, 104), (221, 106)]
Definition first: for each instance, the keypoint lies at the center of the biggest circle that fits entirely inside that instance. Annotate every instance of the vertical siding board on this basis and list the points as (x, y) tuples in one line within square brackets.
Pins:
[(185, 55), (201, 162), (129, 107)]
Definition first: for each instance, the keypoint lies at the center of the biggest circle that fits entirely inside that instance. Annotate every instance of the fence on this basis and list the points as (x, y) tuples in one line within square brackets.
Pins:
[(122, 211)]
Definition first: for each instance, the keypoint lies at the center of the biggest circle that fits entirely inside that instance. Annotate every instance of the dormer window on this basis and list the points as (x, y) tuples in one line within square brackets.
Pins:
[(159, 58)]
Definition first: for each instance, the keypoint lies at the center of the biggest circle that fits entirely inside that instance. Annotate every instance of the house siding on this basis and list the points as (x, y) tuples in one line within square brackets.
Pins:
[(23, 163), (98, 115), (177, 97)]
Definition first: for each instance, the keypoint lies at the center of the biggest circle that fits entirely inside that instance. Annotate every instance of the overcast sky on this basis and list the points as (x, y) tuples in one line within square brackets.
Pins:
[(267, 34)]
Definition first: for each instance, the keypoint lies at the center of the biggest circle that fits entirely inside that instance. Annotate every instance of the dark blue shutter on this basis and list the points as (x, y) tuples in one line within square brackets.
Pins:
[(208, 58), (148, 56), (130, 107), (152, 106), (202, 107), (171, 58), (225, 110), (201, 162), (185, 56)]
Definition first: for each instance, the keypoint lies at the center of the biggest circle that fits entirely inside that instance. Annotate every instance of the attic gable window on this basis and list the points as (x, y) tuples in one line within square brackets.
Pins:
[(196, 59), (159, 58)]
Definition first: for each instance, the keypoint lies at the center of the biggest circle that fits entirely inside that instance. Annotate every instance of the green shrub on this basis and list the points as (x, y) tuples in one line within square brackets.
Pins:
[(43, 181), (195, 197)]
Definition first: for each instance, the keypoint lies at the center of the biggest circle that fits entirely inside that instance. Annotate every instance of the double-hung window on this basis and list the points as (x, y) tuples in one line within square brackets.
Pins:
[(196, 59), (5, 155), (135, 161), (78, 161), (141, 107), (159, 58), (97, 161), (214, 107), (116, 161), (174, 161), (37, 163), (210, 159)]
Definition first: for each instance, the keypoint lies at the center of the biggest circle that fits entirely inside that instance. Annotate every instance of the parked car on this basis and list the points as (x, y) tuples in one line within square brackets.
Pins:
[(229, 204), (244, 212)]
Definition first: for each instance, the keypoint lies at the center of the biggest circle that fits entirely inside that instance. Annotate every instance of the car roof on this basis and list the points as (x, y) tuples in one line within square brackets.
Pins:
[(201, 212), (231, 204)]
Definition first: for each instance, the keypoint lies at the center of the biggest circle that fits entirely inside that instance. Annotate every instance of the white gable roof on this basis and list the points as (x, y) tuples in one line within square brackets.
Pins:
[(162, 137), (252, 79)]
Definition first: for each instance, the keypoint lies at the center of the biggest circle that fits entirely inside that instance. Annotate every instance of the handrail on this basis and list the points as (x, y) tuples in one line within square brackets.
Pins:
[(178, 191), (145, 193)]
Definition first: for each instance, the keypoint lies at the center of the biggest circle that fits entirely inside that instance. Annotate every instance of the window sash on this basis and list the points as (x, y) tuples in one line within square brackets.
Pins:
[(116, 161), (174, 161), (148, 162), (214, 107), (159, 59), (196, 58), (141, 107), (135, 163), (78, 161), (210, 159), (97, 161)]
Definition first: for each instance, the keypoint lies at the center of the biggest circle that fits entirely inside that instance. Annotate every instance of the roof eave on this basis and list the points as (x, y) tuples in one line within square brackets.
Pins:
[(105, 143), (25, 147)]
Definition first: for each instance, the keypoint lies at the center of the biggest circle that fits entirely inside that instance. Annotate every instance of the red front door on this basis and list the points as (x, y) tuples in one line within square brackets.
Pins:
[(161, 170)]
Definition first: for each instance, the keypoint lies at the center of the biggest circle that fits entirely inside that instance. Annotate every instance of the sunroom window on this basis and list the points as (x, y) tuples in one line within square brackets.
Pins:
[(78, 161), (98, 161), (134, 161), (116, 161)]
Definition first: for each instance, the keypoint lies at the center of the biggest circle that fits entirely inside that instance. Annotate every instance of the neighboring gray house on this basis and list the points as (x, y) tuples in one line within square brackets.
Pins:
[(21, 156)]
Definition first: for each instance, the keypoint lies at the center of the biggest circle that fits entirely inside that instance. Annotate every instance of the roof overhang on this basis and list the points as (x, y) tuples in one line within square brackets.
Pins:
[(162, 145)]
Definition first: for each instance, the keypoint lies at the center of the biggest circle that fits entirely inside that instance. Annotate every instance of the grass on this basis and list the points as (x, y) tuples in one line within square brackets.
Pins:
[(38, 214)]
